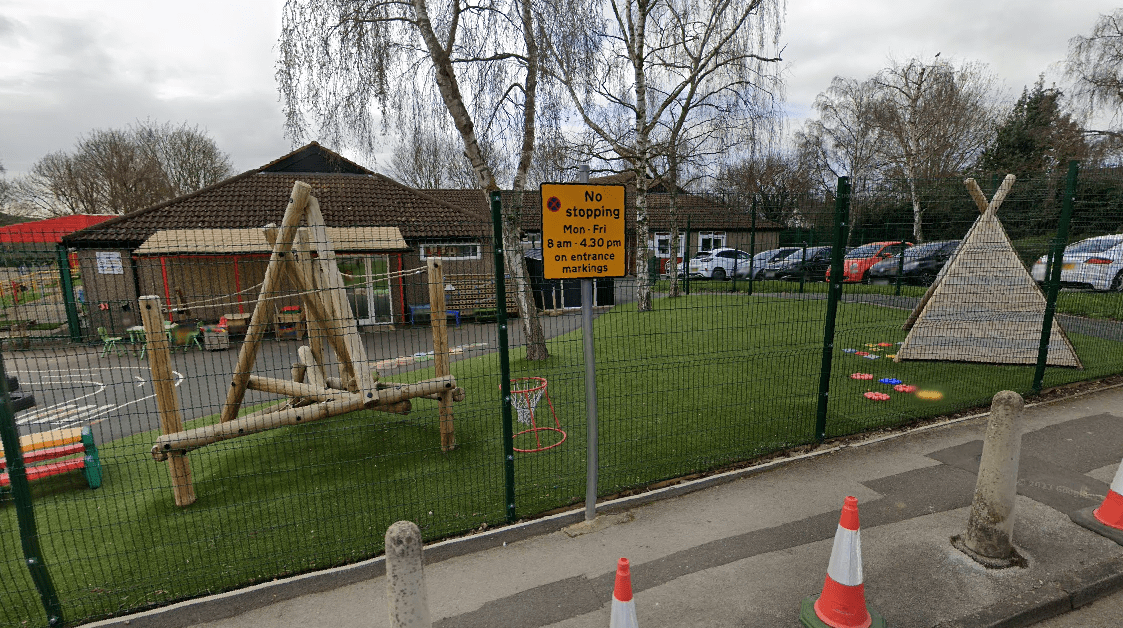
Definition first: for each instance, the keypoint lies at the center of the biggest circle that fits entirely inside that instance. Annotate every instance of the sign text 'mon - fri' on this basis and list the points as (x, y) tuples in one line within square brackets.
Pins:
[(582, 230)]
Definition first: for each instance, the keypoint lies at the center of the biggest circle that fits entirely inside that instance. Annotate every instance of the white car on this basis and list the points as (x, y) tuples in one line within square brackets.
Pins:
[(1095, 263), (718, 264)]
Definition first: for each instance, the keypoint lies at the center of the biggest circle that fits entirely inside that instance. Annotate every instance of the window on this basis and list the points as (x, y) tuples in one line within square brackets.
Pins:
[(663, 244), (710, 240), (450, 250)]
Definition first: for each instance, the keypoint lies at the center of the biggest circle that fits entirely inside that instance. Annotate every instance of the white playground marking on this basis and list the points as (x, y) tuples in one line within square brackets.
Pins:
[(70, 413)]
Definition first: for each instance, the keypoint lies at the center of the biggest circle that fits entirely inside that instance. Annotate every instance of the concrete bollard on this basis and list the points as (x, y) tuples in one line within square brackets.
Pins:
[(405, 577), (988, 539)]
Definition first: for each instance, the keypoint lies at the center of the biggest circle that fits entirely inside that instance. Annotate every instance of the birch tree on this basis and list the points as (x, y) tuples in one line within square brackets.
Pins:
[(1095, 65), (937, 118), (845, 139), (634, 67), (348, 66)]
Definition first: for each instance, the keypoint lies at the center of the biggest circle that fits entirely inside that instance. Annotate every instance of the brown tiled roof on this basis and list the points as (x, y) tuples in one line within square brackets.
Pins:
[(474, 201), (258, 197)]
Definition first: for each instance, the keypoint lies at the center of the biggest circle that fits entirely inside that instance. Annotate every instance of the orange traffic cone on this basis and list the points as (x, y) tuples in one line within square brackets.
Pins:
[(623, 606), (1107, 520), (843, 602), (1110, 512)]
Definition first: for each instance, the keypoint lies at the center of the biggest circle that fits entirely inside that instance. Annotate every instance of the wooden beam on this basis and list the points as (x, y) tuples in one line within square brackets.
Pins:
[(314, 307), (290, 388), (167, 400), (392, 398), (262, 312), (331, 282), (315, 371), (438, 323)]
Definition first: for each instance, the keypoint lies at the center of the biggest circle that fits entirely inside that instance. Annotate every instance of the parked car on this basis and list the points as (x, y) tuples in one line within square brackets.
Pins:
[(764, 258), (921, 265), (858, 261), (812, 267), (718, 264), (1095, 263)]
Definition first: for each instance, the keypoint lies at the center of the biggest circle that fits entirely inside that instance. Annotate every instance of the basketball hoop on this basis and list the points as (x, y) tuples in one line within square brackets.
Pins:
[(526, 392)]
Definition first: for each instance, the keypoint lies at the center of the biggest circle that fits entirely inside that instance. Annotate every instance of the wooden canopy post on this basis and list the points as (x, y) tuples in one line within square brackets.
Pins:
[(331, 282), (294, 213), (438, 321), (167, 400)]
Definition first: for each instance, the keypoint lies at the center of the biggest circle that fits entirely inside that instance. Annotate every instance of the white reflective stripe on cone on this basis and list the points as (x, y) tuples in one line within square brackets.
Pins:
[(845, 567), (623, 614), (1117, 483)]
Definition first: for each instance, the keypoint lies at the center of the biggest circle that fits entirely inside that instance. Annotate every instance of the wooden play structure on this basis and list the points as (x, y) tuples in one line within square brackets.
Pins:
[(984, 306), (305, 257)]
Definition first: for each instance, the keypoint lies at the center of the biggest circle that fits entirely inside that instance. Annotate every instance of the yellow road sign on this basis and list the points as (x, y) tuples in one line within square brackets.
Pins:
[(582, 230)]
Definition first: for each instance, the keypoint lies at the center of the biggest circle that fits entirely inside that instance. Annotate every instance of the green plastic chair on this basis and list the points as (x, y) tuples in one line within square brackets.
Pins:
[(109, 342)]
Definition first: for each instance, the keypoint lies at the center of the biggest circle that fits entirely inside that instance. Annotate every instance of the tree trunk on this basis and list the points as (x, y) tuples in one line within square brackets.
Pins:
[(535, 337), (515, 262), (638, 54)]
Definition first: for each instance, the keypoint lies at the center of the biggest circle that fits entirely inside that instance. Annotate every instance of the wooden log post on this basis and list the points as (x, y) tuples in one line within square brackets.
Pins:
[(317, 311), (392, 398), (314, 372), (262, 311), (438, 321), (330, 280), (167, 400)]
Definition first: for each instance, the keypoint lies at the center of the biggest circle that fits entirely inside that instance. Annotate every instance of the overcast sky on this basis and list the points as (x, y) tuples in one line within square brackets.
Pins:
[(73, 66)]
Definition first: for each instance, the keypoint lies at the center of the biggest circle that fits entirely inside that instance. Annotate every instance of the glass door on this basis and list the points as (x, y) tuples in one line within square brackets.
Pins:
[(367, 282)]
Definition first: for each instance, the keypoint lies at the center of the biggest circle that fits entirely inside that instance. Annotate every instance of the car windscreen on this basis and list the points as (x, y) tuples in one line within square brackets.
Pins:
[(1094, 245), (797, 256), (923, 250), (866, 250)]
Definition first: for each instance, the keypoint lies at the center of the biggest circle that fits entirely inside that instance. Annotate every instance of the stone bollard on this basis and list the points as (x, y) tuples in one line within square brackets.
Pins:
[(988, 539), (405, 577)]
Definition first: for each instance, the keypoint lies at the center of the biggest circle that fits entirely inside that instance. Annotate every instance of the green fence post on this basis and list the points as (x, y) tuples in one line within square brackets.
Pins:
[(25, 514), (1053, 280), (67, 287), (834, 295), (752, 245), (504, 355), (686, 259)]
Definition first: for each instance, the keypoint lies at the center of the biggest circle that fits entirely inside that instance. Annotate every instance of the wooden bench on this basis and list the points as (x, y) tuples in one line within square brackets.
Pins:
[(70, 450)]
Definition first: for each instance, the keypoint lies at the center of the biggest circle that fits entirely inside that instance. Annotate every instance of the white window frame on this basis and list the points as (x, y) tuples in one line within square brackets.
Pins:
[(422, 250), (665, 237), (716, 238)]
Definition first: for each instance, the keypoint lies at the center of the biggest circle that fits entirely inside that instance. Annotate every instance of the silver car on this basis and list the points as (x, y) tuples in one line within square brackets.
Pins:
[(764, 258), (1095, 263), (718, 264)]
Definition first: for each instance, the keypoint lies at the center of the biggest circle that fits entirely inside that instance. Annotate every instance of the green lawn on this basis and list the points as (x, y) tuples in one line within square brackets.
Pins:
[(698, 383)]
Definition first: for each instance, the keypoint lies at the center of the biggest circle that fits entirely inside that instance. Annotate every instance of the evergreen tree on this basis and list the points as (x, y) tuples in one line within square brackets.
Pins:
[(1036, 138)]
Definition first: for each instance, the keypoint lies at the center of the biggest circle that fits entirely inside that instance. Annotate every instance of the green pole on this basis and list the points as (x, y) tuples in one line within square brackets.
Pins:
[(504, 355), (752, 246), (1053, 284), (686, 259), (834, 295), (25, 514), (67, 288)]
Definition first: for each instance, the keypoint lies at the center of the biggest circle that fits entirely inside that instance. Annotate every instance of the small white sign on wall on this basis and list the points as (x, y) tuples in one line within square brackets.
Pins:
[(109, 263)]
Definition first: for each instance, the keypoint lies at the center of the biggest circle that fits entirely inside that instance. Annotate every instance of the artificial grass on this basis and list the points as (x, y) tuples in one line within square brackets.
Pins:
[(698, 383)]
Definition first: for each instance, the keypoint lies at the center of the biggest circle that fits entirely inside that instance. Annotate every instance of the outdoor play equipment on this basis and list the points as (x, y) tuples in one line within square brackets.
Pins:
[(526, 392), (69, 450), (984, 293), (313, 392)]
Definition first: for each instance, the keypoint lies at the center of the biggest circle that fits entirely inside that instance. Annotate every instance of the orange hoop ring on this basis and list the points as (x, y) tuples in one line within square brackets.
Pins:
[(537, 384)]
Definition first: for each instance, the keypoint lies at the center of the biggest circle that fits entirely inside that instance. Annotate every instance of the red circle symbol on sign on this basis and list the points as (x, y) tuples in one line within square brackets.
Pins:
[(553, 204)]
